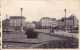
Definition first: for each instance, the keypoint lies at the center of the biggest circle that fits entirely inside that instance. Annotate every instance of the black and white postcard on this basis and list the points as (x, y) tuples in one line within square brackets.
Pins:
[(40, 24)]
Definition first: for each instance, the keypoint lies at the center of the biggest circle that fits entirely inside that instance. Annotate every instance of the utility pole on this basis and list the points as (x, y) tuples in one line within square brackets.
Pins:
[(21, 20), (65, 20)]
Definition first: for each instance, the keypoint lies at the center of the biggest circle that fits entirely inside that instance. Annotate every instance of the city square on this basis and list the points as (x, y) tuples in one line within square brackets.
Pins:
[(47, 33), (40, 24)]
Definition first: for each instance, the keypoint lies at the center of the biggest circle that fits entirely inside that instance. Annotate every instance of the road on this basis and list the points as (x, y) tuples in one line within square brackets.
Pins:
[(59, 32)]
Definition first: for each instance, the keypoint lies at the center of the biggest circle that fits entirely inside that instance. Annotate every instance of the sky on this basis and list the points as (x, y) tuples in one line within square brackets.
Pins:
[(34, 10)]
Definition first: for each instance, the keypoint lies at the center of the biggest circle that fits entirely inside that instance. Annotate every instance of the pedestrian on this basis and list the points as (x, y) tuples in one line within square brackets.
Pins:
[(52, 30)]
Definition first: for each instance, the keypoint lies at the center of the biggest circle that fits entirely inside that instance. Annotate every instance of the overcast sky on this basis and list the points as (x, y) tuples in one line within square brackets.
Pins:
[(35, 10)]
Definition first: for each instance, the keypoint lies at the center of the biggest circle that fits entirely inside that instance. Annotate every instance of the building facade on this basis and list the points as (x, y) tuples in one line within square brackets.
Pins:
[(6, 26), (71, 22), (48, 22), (17, 22), (30, 25), (60, 24), (37, 24)]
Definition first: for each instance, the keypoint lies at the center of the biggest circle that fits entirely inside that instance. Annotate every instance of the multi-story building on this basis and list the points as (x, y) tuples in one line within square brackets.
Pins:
[(60, 24), (17, 22), (48, 22), (45, 22), (71, 22), (30, 25), (54, 22), (37, 24), (6, 26)]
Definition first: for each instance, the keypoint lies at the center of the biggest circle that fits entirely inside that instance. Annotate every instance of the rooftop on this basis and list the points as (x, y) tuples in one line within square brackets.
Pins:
[(17, 17), (49, 18), (45, 17)]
